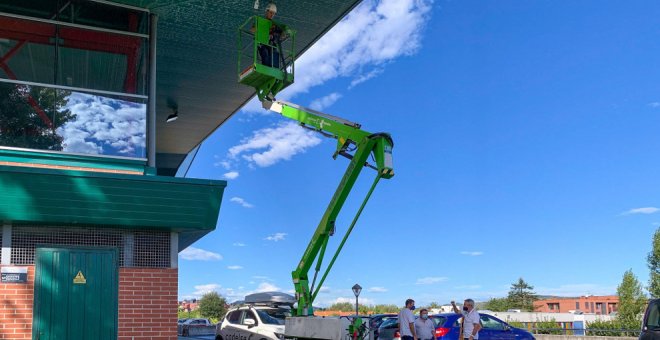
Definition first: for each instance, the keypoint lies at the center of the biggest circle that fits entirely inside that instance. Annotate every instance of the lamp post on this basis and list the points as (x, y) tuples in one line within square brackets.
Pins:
[(356, 290)]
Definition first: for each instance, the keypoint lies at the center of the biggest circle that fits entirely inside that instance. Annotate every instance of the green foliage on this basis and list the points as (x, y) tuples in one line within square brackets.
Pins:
[(433, 305), (212, 306), (547, 326), (631, 300), (497, 304), (383, 309), (653, 260), (612, 328), (182, 314), (521, 296), (21, 126), (342, 307)]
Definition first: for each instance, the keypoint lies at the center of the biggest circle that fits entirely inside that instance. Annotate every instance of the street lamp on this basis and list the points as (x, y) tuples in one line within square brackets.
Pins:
[(356, 290)]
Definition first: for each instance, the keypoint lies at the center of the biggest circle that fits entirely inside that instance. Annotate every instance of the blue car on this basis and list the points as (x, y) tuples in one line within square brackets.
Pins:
[(448, 326)]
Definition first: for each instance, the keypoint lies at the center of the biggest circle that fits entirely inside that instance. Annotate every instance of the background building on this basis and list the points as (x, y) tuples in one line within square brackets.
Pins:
[(586, 304)]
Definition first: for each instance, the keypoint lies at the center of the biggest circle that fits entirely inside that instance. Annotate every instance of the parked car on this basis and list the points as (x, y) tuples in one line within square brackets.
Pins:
[(193, 323), (448, 326), (651, 323), (389, 329), (377, 319), (261, 317)]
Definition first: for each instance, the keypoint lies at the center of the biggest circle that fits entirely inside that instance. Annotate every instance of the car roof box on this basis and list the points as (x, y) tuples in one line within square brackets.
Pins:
[(270, 299)]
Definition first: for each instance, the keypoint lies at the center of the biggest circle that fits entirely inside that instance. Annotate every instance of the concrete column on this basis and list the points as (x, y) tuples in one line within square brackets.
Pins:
[(129, 242), (151, 105), (174, 249), (6, 243)]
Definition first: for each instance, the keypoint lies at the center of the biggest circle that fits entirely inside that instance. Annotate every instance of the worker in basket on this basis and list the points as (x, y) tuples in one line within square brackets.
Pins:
[(270, 54)]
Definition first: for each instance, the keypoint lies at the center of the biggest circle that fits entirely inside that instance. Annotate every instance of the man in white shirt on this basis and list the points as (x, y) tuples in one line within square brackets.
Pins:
[(471, 320), (425, 327), (407, 321)]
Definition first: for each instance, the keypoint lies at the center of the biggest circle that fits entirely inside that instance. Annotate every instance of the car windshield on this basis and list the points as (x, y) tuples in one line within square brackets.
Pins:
[(653, 316), (390, 323), (438, 320), (272, 316)]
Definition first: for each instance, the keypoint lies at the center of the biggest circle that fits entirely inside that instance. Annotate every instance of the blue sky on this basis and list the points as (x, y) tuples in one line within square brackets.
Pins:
[(525, 146)]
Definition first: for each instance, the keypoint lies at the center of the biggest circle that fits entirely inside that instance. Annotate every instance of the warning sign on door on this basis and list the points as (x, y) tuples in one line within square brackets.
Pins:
[(80, 278)]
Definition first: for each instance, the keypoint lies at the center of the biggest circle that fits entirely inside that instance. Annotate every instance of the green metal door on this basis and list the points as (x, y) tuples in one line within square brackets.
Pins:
[(75, 294)]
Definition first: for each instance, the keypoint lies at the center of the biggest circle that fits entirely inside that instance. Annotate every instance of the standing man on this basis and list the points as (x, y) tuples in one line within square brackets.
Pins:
[(270, 55), (471, 324), (407, 321), (425, 327)]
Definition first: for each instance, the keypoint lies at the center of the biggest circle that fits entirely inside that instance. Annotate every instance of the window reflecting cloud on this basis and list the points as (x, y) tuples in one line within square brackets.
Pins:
[(105, 126)]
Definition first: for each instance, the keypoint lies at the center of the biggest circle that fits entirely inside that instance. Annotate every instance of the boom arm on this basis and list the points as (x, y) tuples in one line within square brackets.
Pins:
[(350, 138)]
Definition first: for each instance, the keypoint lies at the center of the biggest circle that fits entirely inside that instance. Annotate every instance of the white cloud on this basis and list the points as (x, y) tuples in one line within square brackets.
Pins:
[(362, 78), (239, 244), (270, 145), (276, 237), (241, 201), (231, 175), (267, 287), (377, 290), (222, 163), (430, 280), (234, 267), (654, 104), (207, 288), (192, 254), (324, 102), (646, 210), (261, 277), (472, 253), (374, 33)]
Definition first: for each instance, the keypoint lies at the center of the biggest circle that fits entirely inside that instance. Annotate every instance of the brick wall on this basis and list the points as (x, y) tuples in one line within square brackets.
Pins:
[(16, 308), (147, 303)]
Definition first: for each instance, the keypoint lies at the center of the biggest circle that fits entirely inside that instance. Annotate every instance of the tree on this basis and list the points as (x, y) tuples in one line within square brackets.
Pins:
[(212, 306), (653, 260), (20, 123), (631, 301), (342, 307), (497, 304), (521, 295), (434, 305)]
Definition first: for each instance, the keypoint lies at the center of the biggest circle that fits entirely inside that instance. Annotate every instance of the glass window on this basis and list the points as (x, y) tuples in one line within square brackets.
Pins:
[(652, 319), (249, 315), (88, 13), (47, 53), (270, 317), (438, 320), (490, 323), (235, 317), (43, 118), (577, 305)]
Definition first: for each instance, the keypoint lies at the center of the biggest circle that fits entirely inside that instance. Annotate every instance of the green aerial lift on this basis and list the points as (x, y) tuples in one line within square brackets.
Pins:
[(352, 143)]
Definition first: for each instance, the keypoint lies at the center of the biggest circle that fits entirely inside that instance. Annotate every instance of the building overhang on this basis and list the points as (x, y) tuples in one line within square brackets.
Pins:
[(187, 206)]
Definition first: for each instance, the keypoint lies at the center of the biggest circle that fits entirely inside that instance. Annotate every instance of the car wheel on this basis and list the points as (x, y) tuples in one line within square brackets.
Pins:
[(185, 332)]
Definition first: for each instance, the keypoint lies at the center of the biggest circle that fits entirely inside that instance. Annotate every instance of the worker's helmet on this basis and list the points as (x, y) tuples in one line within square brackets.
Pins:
[(271, 7)]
